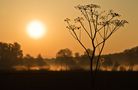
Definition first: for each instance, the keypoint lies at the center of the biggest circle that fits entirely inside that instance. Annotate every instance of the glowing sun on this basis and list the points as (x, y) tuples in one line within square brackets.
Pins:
[(36, 29)]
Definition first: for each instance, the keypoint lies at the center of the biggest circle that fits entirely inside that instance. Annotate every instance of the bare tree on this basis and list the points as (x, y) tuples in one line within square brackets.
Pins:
[(97, 26)]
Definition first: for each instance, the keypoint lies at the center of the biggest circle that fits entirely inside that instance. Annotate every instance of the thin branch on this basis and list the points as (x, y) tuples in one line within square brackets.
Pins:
[(92, 18), (115, 29), (84, 15), (104, 32), (112, 32), (104, 25), (82, 44), (72, 35), (107, 30), (90, 28), (95, 28), (97, 43), (80, 35), (88, 19), (85, 30), (95, 33), (101, 35), (97, 61)]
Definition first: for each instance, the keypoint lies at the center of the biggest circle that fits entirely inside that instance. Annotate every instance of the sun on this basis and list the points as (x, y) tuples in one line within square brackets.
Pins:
[(36, 29)]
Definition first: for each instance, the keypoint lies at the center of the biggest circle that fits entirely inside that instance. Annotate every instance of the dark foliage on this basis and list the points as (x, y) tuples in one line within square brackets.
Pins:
[(10, 55)]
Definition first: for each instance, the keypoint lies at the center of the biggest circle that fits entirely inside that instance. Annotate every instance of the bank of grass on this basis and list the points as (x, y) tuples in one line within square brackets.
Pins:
[(67, 80)]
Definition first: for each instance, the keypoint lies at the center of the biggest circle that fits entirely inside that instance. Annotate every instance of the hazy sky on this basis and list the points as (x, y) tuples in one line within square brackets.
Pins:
[(16, 14)]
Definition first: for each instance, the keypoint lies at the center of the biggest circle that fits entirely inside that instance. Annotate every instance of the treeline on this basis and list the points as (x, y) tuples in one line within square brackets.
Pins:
[(126, 60), (12, 58)]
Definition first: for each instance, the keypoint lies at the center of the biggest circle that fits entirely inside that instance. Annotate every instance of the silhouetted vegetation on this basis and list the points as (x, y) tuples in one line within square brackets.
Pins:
[(71, 80), (12, 58), (10, 55), (127, 58), (97, 27)]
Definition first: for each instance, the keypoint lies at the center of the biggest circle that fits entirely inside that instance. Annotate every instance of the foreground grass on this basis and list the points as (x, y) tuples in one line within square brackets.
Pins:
[(71, 80)]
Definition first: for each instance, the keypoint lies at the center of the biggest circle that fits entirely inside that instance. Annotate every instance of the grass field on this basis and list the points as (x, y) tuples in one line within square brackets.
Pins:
[(72, 80)]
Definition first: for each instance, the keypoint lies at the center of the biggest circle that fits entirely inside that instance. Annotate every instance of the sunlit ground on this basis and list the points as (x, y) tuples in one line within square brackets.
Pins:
[(20, 68), (66, 68)]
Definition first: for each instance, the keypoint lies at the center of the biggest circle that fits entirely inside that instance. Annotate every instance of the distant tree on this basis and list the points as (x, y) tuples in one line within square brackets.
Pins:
[(131, 56), (101, 61), (64, 53), (108, 62), (131, 67), (97, 27), (115, 66), (29, 61), (84, 57), (77, 55), (40, 61), (10, 55), (89, 51), (84, 62), (64, 58), (122, 68)]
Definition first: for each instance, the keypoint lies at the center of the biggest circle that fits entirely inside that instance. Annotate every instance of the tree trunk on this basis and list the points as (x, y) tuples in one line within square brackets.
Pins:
[(92, 75)]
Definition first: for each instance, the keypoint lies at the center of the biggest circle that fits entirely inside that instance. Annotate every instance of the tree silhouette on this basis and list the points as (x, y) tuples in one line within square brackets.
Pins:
[(64, 53), (108, 62), (115, 66), (97, 26), (29, 61), (65, 59), (83, 62), (77, 55), (10, 54), (40, 61)]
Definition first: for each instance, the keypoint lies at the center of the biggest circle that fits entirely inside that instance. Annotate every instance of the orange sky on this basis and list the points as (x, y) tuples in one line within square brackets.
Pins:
[(16, 14)]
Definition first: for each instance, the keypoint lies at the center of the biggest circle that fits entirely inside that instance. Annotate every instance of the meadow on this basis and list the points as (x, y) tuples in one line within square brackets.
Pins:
[(67, 80)]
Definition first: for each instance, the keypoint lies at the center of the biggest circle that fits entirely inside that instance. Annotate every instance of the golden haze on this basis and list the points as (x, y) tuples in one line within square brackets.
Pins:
[(15, 14)]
